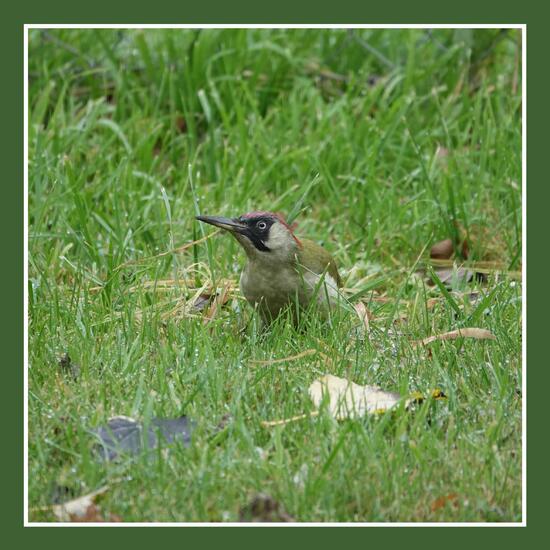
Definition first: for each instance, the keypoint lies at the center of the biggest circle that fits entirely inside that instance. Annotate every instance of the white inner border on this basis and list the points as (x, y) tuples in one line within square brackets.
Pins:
[(523, 28)]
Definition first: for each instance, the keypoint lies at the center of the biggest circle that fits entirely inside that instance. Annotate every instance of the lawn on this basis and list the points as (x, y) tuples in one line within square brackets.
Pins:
[(378, 143)]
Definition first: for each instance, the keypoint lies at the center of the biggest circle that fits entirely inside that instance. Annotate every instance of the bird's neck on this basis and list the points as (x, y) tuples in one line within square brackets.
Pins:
[(274, 260)]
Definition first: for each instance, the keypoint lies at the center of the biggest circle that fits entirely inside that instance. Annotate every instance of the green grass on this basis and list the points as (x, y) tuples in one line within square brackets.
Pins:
[(381, 142)]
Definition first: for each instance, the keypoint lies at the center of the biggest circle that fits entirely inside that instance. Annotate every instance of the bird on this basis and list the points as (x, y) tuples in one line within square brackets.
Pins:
[(282, 270)]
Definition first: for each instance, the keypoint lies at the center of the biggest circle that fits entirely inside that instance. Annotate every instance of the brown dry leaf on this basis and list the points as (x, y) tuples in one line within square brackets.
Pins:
[(363, 313), (181, 124), (75, 510), (94, 515), (471, 332), (350, 400), (219, 301), (442, 250), (432, 302), (264, 508), (440, 502)]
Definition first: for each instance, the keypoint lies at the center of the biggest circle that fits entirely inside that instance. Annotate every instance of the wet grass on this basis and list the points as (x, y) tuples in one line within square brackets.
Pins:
[(379, 143)]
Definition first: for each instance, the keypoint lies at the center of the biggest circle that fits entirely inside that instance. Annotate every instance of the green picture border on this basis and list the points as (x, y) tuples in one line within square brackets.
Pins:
[(283, 11)]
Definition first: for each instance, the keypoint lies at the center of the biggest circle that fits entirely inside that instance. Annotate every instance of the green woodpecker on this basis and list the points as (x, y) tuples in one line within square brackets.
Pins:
[(281, 268)]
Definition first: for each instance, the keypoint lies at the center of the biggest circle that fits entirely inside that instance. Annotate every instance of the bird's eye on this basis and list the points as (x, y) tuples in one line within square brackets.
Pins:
[(261, 225)]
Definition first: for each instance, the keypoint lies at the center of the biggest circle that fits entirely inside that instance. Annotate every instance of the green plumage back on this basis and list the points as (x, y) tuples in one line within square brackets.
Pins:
[(316, 259)]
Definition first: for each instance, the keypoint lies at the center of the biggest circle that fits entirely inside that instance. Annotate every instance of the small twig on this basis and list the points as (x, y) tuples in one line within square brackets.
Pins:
[(177, 250), (469, 332)]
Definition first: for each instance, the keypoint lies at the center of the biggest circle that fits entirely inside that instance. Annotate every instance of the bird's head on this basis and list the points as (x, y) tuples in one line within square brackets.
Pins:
[(263, 235)]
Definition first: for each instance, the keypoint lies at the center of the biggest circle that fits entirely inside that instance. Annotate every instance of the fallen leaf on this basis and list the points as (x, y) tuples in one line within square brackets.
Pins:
[(202, 301), (220, 299), (350, 400), (126, 435), (460, 275), (431, 303), (264, 509), (442, 250), (363, 314), (471, 332), (181, 124), (93, 515), (75, 509), (442, 501)]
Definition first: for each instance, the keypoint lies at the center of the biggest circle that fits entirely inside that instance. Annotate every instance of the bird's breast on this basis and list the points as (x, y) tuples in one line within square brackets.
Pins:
[(272, 289)]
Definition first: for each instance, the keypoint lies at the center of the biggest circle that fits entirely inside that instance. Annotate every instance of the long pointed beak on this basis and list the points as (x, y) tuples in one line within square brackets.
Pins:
[(224, 223)]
